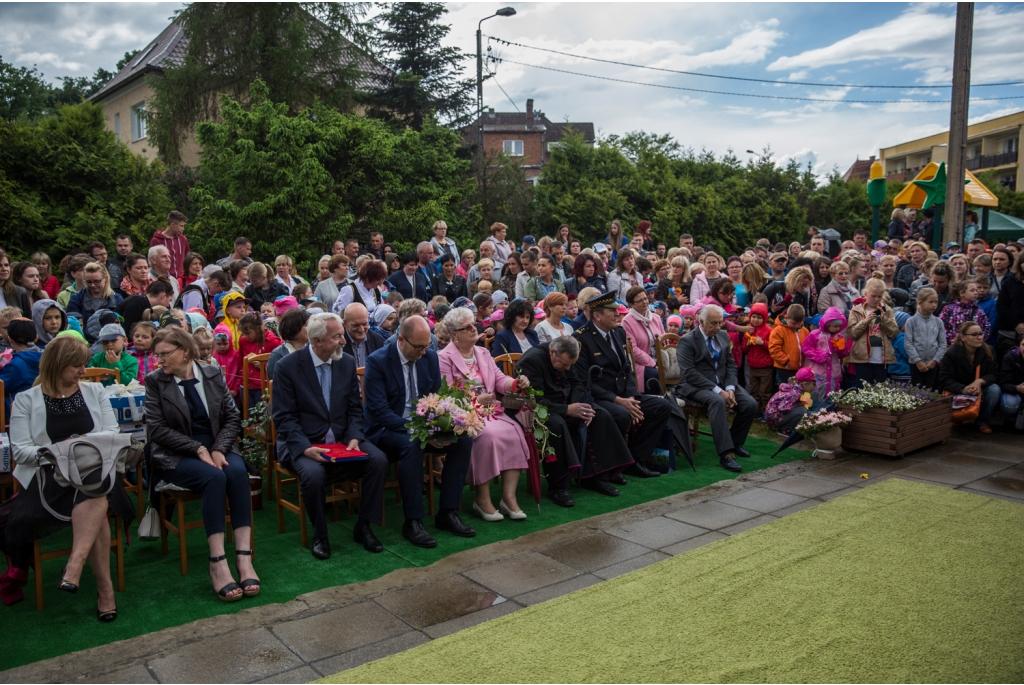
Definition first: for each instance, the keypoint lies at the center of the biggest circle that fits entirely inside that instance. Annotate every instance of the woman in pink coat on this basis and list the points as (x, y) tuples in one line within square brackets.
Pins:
[(642, 328), (501, 447)]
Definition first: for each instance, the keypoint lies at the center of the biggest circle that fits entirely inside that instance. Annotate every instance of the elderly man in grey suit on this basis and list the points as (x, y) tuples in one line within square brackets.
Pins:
[(709, 380)]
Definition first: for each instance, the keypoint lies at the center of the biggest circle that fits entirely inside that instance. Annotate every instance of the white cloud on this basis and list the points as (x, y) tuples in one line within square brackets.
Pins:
[(51, 58)]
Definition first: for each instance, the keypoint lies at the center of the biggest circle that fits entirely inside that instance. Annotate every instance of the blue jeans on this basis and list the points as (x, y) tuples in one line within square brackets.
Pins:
[(1009, 405), (990, 395)]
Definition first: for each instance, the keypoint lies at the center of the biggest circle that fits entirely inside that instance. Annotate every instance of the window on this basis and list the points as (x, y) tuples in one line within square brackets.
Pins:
[(143, 56), (553, 146), (138, 121), (513, 148), (1010, 145), (117, 126)]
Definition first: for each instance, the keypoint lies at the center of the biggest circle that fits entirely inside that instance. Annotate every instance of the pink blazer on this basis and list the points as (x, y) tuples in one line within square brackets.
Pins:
[(453, 367), (636, 332)]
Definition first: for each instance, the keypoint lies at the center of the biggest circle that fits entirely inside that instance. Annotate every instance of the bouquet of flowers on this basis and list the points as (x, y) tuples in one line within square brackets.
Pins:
[(885, 395), (446, 415), (822, 421)]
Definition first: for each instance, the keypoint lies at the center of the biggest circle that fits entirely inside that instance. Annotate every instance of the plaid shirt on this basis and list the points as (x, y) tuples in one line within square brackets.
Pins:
[(178, 247)]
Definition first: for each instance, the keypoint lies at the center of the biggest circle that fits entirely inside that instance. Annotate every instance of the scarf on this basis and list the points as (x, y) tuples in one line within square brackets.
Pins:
[(231, 323), (846, 291), (129, 289), (645, 319)]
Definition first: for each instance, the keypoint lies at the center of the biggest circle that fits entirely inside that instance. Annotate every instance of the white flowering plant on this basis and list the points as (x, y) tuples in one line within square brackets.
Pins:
[(885, 395), (822, 421)]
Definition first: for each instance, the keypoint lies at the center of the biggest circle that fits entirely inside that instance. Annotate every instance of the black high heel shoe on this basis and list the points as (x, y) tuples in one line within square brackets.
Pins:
[(247, 585), (105, 616), (65, 585)]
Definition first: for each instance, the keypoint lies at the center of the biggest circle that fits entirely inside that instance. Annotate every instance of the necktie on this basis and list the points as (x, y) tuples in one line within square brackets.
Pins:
[(324, 372), (195, 403), (410, 384), (713, 351), (615, 348)]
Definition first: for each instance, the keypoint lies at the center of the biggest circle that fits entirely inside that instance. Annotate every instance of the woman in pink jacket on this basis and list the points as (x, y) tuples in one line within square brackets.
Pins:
[(501, 447), (642, 328), (825, 348)]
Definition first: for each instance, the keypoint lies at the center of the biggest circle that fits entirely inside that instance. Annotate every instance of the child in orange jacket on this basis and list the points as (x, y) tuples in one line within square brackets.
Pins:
[(786, 341)]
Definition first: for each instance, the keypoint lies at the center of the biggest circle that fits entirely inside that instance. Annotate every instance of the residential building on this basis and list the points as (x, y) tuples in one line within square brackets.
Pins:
[(527, 137), (860, 171), (992, 145)]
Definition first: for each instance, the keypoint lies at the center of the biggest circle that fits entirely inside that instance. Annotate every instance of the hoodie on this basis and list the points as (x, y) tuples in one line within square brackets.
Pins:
[(784, 345), (230, 362), (20, 373), (825, 351), (758, 356), (39, 310)]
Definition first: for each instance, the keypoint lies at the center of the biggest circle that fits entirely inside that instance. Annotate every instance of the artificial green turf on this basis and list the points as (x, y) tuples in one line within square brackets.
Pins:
[(899, 582), (157, 596)]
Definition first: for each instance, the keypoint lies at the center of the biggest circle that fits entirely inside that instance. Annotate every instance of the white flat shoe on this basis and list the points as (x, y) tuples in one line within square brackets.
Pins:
[(514, 515), (496, 516)]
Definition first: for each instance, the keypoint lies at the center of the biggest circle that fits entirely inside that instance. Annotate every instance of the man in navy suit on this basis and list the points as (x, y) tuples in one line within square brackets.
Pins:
[(396, 377), (316, 400), (411, 281)]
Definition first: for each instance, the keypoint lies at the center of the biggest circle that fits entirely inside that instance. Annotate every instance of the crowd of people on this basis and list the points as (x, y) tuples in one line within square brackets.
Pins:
[(758, 331)]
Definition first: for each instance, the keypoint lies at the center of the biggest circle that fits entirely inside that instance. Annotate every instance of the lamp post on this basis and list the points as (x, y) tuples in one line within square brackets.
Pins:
[(503, 12), (876, 196), (751, 152)]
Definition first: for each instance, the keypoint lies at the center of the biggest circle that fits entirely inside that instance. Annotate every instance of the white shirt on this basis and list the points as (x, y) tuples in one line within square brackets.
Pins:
[(365, 295), (704, 341), (200, 386), (546, 332)]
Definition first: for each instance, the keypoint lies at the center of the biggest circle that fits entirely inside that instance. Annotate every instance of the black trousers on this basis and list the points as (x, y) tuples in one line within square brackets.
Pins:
[(409, 456), (648, 434), (315, 476), (929, 378)]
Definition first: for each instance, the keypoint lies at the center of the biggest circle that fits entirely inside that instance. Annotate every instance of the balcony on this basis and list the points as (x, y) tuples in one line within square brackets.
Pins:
[(990, 161)]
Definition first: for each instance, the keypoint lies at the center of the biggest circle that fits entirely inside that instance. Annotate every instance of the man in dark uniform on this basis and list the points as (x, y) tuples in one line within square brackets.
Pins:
[(603, 344), (583, 436)]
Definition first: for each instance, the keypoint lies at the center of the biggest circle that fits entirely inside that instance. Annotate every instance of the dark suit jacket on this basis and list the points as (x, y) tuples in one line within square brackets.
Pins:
[(300, 414), (169, 421), (617, 378), (374, 341), (385, 388), (506, 342), (458, 288), (400, 282), (697, 368), (560, 388)]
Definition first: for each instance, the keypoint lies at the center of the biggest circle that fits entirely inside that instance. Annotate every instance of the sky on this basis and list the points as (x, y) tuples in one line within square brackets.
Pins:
[(895, 44)]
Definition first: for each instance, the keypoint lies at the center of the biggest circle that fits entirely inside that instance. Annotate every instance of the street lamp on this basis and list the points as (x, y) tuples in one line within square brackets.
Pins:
[(503, 12), (751, 152)]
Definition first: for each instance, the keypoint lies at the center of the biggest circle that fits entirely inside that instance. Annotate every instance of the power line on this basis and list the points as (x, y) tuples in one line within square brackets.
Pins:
[(495, 79), (742, 95), (741, 78)]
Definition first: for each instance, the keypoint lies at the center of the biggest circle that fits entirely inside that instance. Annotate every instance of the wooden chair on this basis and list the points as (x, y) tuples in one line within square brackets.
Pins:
[(488, 342), (94, 375), (136, 489), (179, 497), (666, 346), (260, 362), (508, 362), (39, 556)]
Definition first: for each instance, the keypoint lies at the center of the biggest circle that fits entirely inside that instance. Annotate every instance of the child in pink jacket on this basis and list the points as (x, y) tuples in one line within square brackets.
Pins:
[(825, 348)]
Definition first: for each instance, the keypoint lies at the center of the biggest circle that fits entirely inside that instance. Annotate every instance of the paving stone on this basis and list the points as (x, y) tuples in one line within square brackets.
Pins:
[(806, 504), (296, 676), (996, 495), (368, 653), (594, 551), (257, 654), (136, 673), (940, 474), (1000, 485), (968, 462), (630, 565), (1013, 472), (747, 525), (876, 465), (762, 500), (804, 486), (333, 632), (839, 493), (657, 532), (521, 573), (1008, 452), (712, 515), (845, 473), (693, 543), (454, 626), (437, 601), (557, 590)]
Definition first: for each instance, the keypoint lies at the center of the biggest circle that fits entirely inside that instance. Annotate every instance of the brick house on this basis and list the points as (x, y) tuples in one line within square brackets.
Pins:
[(526, 136)]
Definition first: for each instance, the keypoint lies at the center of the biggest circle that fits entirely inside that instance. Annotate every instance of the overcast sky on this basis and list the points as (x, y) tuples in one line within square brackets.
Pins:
[(876, 44)]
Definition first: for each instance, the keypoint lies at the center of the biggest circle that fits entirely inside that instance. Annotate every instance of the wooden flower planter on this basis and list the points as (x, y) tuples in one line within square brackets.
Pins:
[(895, 433)]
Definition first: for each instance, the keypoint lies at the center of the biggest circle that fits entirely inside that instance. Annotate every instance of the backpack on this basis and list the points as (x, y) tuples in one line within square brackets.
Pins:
[(781, 404)]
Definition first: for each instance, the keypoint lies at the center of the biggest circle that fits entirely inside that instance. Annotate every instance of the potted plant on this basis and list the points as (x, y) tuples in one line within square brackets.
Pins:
[(255, 434), (825, 429), (893, 419)]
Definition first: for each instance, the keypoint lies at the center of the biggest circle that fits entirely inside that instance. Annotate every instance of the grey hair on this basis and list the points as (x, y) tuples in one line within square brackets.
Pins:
[(455, 319), (316, 328), (565, 344), (411, 307), (422, 244), (155, 250), (708, 309)]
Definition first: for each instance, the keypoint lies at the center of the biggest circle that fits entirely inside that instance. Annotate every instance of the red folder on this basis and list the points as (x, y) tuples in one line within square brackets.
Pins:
[(340, 453)]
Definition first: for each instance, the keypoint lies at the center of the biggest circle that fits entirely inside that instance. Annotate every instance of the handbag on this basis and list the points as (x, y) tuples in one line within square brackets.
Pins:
[(149, 526), (972, 409), (78, 458), (513, 401)]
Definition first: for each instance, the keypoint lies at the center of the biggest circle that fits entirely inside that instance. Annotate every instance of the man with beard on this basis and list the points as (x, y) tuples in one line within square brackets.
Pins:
[(585, 440), (316, 400)]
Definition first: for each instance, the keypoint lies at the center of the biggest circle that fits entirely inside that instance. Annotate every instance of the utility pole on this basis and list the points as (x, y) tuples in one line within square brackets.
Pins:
[(503, 12), (957, 150)]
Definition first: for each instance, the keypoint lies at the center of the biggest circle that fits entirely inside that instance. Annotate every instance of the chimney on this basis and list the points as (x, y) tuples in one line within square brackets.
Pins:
[(529, 112)]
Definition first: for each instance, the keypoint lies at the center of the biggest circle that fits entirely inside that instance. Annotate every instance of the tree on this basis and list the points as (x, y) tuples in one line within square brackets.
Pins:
[(65, 181), (298, 182), (500, 193), (23, 93), (426, 78), (302, 52)]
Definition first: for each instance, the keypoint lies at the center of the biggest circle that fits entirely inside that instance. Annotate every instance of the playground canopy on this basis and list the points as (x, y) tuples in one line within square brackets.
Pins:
[(975, 193)]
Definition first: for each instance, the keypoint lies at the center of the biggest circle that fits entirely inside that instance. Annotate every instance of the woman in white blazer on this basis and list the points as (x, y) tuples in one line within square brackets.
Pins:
[(57, 408)]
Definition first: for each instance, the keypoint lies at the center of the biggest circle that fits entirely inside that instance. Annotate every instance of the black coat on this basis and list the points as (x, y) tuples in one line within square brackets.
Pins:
[(451, 291), (374, 341), (275, 289), (400, 282), (617, 378), (1010, 305), (560, 388), (1011, 372), (957, 371)]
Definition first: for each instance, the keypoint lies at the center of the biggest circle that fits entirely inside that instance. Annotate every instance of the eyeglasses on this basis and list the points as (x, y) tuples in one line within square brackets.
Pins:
[(466, 329), (418, 348), (974, 335), (164, 355), (94, 282)]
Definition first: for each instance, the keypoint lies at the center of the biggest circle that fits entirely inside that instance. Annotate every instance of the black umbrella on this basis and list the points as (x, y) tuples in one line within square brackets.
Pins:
[(678, 422), (794, 437)]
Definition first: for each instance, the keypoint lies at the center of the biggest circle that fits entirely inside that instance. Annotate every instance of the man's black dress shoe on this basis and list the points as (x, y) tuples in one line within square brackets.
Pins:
[(730, 464), (618, 479), (740, 452), (561, 497), (641, 471), (601, 486), (448, 519), (321, 549), (363, 535), (414, 532)]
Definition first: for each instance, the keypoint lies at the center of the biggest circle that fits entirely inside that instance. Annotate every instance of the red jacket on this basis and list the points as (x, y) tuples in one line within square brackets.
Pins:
[(245, 348), (178, 247), (758, 356)]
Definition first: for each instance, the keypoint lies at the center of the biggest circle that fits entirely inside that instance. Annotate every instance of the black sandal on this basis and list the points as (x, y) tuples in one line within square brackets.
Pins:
[(247, 585), (65, 585), (230, 587)]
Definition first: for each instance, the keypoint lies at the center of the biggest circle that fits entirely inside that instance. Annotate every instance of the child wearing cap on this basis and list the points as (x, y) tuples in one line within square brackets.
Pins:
[(900, 370), (22, 369), (114, 355), (760, 367), (227, 356), (674, 324), (689, 314), (791, 402), (827, 347)]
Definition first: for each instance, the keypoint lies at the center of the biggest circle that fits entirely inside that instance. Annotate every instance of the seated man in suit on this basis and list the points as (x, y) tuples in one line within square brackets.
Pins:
[(360, 341), (396, 377), (709, 380), (410, 281), (603, 344), (316, 401)]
